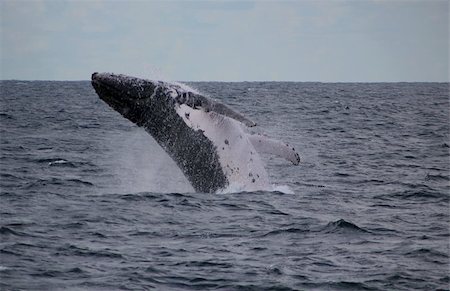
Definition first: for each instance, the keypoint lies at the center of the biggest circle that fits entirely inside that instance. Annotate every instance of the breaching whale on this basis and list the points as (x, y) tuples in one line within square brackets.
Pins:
[(209, 141)]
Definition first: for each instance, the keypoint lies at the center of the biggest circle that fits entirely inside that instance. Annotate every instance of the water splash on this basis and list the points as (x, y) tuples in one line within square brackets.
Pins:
[(285, 189), (138, 164)]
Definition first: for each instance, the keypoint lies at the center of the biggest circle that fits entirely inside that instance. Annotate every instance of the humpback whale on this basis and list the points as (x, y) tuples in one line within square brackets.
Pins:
[(209, 141)]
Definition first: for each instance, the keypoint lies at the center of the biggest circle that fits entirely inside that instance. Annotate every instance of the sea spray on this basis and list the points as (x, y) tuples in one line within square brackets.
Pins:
[(141, 165)]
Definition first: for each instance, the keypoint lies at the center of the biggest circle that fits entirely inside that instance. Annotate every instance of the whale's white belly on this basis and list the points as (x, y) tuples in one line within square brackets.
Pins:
[(240, 162)]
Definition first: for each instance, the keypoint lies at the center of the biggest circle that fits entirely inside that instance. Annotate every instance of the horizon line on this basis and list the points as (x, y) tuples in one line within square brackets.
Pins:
[(244, 81)]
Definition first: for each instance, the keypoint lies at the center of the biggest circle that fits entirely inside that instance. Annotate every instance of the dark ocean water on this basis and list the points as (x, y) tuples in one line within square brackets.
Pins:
[(90, 202)]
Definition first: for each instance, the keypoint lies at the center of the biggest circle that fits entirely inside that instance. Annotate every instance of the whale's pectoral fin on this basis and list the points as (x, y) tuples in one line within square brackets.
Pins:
[(267, 145), (223, 109), (197, 101)]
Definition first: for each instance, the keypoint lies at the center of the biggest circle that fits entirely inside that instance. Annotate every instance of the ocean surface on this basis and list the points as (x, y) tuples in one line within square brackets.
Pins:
[(90, 202)]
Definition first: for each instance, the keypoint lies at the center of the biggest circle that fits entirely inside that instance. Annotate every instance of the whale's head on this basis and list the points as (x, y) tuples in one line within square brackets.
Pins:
[(130, 96)]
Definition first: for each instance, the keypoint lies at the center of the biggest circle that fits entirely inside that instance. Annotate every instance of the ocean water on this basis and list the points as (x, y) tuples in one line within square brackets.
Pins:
[(90, 202)]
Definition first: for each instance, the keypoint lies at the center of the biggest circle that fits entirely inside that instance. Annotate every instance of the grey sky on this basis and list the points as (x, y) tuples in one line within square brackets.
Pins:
[(329, 41)]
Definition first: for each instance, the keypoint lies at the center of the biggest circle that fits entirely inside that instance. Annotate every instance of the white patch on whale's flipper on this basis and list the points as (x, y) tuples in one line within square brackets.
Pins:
[(197, 101), (240, 162), (264, 144)]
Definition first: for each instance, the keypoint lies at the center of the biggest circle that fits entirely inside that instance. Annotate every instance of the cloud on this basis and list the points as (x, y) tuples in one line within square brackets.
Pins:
[(226, 40)]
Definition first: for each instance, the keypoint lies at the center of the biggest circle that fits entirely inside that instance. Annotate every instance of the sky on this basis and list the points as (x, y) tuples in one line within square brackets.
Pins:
[(325, 41)]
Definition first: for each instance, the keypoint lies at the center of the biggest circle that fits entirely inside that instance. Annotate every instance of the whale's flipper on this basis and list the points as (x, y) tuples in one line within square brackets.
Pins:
[(221, 108), (267, 145), (197, 101)]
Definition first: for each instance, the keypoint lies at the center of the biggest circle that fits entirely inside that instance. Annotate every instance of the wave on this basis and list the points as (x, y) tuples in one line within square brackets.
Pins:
[(342, 225), (60, 162), (423, 194), (204, 264), (57, 181), (291, 230), (339, 226), (8, 176), (8, 231), (57, 273), (422, 251), (437, 177), (158, 197), (86, 252), (6, 116), (341, 285)]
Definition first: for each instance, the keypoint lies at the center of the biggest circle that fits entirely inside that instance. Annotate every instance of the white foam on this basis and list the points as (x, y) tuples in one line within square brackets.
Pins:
[(57, 162), (283, 189), (236, 188), (185, 87), (155, 74), (3, 268)]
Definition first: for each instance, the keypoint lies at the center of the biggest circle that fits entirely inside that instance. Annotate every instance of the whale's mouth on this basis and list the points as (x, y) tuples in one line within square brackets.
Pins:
[(127, 95), (134, 87), (108, 91), (99, 82), (107, 82)]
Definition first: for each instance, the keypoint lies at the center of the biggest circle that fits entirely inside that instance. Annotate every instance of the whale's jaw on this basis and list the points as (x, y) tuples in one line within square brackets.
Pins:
[(120, 86), (127, 95)]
